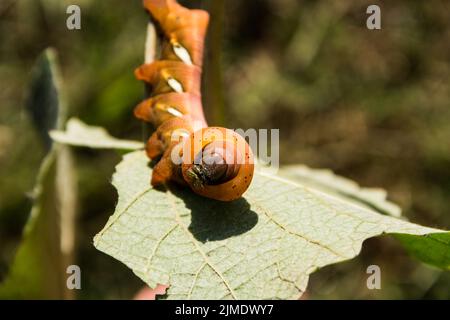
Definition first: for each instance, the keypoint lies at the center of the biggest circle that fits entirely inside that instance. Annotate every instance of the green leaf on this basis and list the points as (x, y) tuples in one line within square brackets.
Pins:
[(39, 267), (434, 249), (43, 97), (327, 181), (262, 246), (37, 271), (82, 135)]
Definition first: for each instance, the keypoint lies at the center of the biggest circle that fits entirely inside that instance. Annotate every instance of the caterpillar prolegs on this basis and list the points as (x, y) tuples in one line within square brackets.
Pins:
[(214, 162)]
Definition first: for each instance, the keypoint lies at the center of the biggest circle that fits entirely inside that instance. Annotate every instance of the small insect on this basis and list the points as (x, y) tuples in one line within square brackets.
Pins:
[(215, 162)]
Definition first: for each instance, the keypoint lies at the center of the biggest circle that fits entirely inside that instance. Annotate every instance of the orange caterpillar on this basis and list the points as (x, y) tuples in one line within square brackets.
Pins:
[(215, 162)]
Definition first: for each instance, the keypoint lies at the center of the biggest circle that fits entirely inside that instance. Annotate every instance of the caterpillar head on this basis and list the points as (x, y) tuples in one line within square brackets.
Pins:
[(217, 163)]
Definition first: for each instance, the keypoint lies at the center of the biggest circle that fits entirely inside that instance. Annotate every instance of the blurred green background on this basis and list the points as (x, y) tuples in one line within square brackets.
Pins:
[(373, 106)]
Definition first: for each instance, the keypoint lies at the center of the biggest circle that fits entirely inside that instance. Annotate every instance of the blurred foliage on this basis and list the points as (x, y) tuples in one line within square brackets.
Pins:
[(39, 267), (373, 106)]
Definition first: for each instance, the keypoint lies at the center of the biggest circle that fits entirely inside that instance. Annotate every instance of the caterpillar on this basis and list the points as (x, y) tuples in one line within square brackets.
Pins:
[(214, 162)]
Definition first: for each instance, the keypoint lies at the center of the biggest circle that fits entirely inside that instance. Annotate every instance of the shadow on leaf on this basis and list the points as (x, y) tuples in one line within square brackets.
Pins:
[(213, 220)]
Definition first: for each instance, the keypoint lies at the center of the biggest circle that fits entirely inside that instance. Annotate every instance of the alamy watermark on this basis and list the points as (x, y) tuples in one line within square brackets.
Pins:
[(73, 21), (74, 279), (373, 22), (263, 143), (374, 280)]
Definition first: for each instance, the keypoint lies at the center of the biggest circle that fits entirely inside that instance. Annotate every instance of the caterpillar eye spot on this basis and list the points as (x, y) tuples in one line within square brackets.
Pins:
[(175, 85), (174, 112), (182, 53)]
